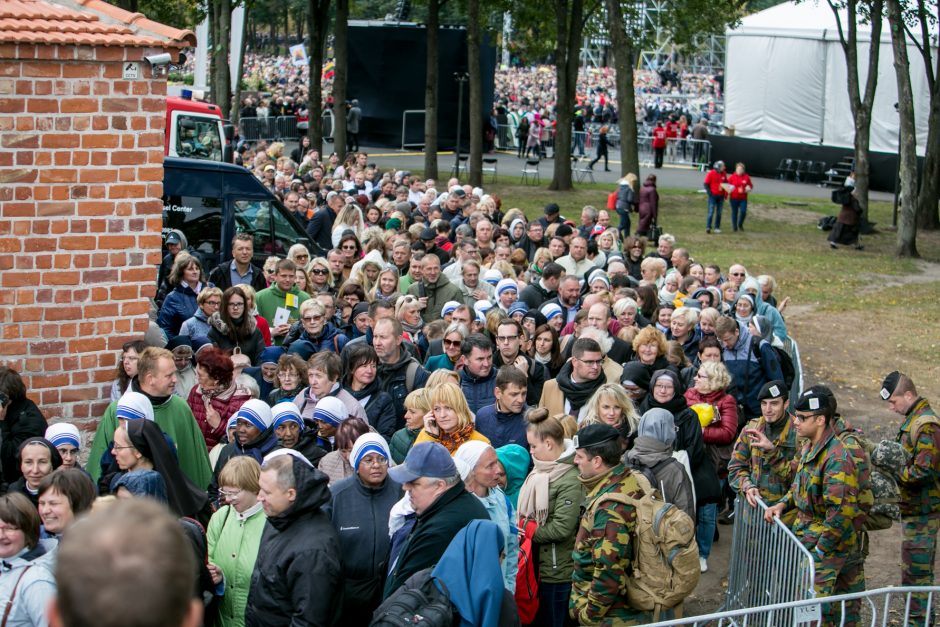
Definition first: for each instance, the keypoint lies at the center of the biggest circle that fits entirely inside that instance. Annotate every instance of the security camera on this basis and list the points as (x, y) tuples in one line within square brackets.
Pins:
[(157, 60)]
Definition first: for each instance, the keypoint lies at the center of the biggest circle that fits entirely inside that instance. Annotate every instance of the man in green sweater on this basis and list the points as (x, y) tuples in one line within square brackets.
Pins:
[(156, 379), (281, 295)]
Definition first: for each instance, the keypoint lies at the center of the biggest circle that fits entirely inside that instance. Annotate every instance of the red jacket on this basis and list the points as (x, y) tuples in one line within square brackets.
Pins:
[(672, 130), (741, 183), (226, 404), (713, 181), (659, 137), (724, 431)]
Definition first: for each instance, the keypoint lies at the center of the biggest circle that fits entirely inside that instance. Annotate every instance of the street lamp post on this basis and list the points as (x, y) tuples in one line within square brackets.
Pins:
[(461, 78)]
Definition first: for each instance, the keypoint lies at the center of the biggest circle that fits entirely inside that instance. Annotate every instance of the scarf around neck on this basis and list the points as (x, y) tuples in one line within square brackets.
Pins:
[(452, 441), (534, 499), (577, 394)]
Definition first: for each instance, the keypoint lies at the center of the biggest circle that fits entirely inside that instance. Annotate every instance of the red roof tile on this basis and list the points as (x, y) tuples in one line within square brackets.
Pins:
[(84, 22)]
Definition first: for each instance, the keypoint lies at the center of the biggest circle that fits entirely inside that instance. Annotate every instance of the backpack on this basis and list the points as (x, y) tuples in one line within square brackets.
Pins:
[(426, 605), (665, 563), (878, 499), (786, 362), (527, 578), (826, 223)]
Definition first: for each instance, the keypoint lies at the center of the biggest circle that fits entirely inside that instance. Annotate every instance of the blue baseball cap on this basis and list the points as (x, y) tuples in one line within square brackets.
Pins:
[(426, 459)]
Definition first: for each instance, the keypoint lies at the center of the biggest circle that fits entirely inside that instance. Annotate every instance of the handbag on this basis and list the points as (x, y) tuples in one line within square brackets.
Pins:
[(527, 578), (9, 607)]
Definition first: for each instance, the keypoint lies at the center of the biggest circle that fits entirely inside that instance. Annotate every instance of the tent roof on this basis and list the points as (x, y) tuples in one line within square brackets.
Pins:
[(809, 19)]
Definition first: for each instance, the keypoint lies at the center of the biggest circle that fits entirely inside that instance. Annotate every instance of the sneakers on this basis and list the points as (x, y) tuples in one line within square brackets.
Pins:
[(717, 230), (703, 565), (832, 246)]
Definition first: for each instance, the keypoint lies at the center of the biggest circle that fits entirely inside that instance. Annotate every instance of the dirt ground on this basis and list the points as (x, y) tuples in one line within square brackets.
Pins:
[(853, 368)]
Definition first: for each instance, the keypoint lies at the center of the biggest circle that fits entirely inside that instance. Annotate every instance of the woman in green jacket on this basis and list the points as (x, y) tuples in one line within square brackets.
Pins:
[(551, 496), (234, 534)]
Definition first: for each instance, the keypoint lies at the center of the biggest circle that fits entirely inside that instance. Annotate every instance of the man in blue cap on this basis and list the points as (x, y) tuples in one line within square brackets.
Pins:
[(442, 505)]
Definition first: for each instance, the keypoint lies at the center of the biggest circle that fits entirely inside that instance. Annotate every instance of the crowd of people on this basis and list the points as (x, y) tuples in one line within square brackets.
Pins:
[(438, 388)]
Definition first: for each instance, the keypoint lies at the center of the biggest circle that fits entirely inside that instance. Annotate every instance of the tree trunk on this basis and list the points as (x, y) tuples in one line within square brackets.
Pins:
[(475, 110), (286, 11), (340, 76), (907, 224), (430, 90), (928, 215), (237, 98), (570, 26), (317, 21), (222, 79), (622, 46)]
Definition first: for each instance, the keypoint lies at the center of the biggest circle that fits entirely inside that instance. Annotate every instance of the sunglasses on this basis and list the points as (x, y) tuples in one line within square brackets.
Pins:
[(318, 271)]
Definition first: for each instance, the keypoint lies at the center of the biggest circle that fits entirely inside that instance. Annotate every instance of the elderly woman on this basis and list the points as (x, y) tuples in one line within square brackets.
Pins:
[(234, 535), (651, 455), (744, 308), (233, 326), (706, 322), (335, 464), (216, 397), (709, 398), (317, 333), (38, 458), (63, 495), (321, 278), (611, 405), (408, 312), (291, 379), (417, 406), (480, 469), (649, 346), (653, 270), (208, 302), (454, 336), (27, 585), (449, 422), (299, 254), (66, 439), (187, 280), (682, 329), (361, 363), (360, 510), (665, 393), (626, 311)]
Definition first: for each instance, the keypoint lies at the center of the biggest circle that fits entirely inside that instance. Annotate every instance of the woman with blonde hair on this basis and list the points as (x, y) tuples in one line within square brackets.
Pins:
[(386, 287), (365, 272), (649, 346), (541, 257), (299, 254), (349, 218), (611, 405), (450, 422), (320, 275), (653, 271)]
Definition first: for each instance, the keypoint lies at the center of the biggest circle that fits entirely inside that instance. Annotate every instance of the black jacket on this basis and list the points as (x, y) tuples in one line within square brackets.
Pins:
[(393, 378), (23, 421), (536, 374), (298, 577), (360, 517), (534, 295), (433, 531), (380, 410), (221, 277), (320, 230)]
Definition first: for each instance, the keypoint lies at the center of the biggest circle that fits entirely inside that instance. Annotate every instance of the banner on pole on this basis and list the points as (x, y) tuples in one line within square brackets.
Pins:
[(298, 55)]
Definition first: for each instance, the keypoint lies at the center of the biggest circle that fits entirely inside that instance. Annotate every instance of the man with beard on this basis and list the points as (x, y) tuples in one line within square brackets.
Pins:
[(569, 392), (398, 372), (616, 349), (509, 353), (569, 297), (533, 239), (469, 283), (434, 290)]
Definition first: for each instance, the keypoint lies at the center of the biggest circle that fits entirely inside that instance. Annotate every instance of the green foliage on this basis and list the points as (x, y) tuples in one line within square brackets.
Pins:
[(176, 77), (184, 14)]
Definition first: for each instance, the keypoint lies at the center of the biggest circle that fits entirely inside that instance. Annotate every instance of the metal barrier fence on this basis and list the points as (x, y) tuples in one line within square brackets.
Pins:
[(271, 128), (878, 608), (769, 565)]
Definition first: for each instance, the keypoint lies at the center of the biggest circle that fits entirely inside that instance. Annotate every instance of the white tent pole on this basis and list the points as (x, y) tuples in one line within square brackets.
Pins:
[(825, 90)]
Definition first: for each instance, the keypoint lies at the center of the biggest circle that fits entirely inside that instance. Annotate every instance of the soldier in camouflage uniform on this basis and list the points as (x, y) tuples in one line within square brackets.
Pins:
[(604, 550), (825, 493), (919, 485), (764, 459)]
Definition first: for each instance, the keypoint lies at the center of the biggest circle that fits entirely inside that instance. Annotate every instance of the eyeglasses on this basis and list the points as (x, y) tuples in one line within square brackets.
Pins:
[(229, 493), (318, 271), (347, 247), (312, 318), (737, 274), (590, 362), (701, 375), (664, 387), (375, 462), (115, 447), (4, 529), (236, 305), (301, 256), (509, 338), (452, 343), (214, 303), (801, 418)]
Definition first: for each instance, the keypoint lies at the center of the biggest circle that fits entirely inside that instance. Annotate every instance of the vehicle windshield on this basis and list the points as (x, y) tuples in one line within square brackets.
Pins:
[(198, 138)]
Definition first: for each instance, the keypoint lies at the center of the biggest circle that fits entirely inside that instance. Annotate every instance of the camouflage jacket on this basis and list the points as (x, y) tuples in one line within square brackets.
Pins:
[(919, 481), (857, 444), (825, 493), (772, 471), (603, 555)]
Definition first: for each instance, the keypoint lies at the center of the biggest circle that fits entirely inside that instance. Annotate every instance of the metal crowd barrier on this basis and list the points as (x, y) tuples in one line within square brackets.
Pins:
[(879, 608), (270, 128), (769, 565)]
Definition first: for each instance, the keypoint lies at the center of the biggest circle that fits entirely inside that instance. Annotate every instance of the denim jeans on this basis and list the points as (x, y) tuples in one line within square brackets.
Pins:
[(714, 209), (705, 522), (738, 212), (553, 604)]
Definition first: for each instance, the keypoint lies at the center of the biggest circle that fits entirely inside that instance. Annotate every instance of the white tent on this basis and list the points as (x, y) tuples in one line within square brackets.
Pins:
[(786, 80)]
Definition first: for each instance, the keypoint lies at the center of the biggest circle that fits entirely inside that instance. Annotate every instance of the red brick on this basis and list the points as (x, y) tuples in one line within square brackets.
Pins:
[(38, 105), (115, 53), (135, 308), (17, 347), (80, 70), (127, 191), (61, 140), (77, 243), (47, 348), (37, 244), (122, 105), (56, 208), (12, 105), (128, 157), (99, 276), (26, 124), (58, 176), (19, 175), (19, 140), (78, 105)]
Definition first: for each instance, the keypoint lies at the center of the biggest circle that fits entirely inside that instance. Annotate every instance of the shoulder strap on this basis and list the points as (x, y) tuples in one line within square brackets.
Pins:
[(410, 375), (6, 612), (336, 344), (919, 423)]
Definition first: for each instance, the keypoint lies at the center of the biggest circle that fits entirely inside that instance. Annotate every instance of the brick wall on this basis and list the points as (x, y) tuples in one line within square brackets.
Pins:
[(81, 170)]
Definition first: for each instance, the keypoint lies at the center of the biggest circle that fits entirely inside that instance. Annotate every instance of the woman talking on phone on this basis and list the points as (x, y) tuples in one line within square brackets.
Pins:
[(449, 422)]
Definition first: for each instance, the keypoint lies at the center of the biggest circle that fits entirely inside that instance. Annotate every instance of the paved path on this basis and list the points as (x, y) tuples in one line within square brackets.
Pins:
[(669, 177)]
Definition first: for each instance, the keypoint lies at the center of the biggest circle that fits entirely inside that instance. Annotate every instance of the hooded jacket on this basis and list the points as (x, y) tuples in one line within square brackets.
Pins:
[(438, 293), (23, 420), (36, 587), (434, 528), (670, 477), (330, 339), (197, 326), (360, 517), (394, 379), (298, 577), (478, 390), (233, 546), (179, 306)]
